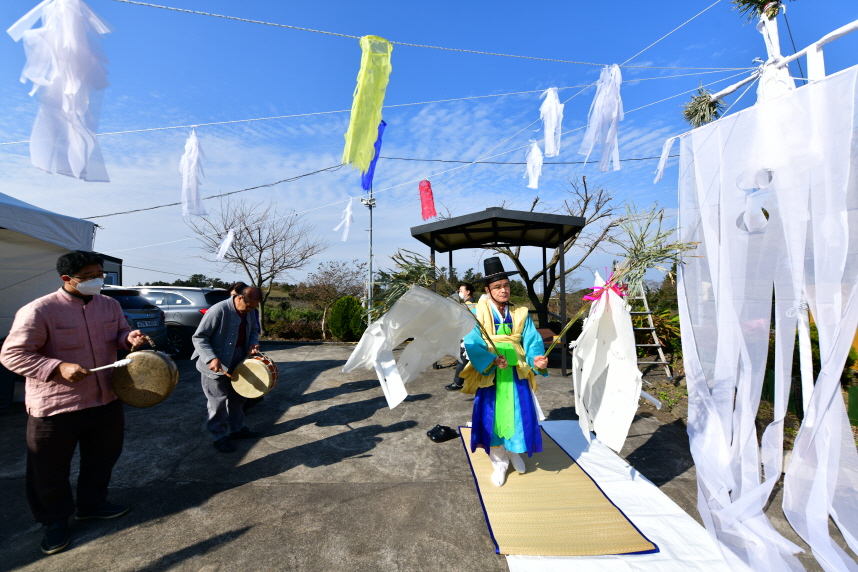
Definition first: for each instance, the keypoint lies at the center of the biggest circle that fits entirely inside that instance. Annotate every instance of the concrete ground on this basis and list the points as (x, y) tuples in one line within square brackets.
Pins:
[(337, 482)]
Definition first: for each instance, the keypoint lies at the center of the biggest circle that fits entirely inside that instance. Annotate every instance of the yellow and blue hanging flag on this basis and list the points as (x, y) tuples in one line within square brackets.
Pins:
[(368, 100)]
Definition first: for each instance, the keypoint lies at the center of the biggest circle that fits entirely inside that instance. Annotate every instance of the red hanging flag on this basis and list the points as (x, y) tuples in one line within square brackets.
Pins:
[(427, 201)]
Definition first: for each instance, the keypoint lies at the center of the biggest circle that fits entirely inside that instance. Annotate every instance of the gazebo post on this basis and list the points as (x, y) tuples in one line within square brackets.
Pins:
[(543, 314), (432, 260), (451, 271), (563, 342)]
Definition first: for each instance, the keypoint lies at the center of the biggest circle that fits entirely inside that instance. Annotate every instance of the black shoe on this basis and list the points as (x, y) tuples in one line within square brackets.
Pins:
[(453, 387), (223, 445), (443, 434), (433, 430), (56, 537), (245, 433), (104, 510)]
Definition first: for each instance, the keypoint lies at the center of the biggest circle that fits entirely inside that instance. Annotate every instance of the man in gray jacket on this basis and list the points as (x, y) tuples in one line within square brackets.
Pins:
[(224, 339)]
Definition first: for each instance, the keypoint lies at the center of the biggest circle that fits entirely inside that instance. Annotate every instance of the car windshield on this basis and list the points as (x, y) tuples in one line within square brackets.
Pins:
[(216, 296), (134, 302)]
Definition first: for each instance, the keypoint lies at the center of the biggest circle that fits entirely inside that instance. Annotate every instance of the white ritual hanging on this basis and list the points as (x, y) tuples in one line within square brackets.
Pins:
[(191, 169), (551, 113), (771, 196), (347, 220), (225, 244), (69, 72), (606, 112), (605, 370), (534, 166)]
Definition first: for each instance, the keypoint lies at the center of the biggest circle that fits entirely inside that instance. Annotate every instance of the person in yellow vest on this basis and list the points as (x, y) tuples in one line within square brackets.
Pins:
[(505, 421)]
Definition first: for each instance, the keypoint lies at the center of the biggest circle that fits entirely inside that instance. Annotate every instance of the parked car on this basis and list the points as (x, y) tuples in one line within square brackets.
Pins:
[(142, 315), (184, 308)]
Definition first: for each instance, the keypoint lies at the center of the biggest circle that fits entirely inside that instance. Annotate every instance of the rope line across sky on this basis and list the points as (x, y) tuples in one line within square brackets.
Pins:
[(485, 53), (298, 213), (233, 121)]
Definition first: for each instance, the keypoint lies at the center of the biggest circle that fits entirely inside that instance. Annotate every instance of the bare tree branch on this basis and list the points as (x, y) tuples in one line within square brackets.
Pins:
[(267, 244), (601, 220)]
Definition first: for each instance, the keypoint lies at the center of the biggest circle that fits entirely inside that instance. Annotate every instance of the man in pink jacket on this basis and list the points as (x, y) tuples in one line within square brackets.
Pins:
[(54, 342)]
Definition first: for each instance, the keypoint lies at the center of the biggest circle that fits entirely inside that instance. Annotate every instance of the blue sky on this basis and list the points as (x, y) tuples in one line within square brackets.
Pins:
[(170, 68)]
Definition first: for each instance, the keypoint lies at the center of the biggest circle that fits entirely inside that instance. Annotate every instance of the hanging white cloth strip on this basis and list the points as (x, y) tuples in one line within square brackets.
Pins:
[(769, 194), (225, 244), (606, 112), (551, 113), (69, 72), (665, 154), (347, 220), (534, 166), (191, 169)]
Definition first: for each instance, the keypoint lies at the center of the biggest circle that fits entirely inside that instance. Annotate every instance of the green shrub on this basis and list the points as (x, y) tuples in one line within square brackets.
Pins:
[(347, 319), (290, 315)]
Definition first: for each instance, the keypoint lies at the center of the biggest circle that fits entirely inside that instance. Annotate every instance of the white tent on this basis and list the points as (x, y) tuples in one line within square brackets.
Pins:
[(31, 240)]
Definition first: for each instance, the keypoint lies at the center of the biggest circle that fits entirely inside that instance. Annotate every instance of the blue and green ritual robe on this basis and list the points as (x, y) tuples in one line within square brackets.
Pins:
[(504, 408)]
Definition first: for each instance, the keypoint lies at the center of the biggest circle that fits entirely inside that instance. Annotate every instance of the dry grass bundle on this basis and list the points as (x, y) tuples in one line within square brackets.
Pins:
[(701, 109)]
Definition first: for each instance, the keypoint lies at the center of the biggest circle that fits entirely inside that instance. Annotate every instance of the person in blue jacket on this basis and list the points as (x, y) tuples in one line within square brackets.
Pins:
[(502, 376)]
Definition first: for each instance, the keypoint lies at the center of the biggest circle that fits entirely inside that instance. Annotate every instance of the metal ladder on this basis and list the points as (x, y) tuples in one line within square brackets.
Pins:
[(641, 297)]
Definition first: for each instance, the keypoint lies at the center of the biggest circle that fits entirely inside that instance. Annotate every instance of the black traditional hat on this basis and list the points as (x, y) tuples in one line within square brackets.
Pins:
[(494, 270)]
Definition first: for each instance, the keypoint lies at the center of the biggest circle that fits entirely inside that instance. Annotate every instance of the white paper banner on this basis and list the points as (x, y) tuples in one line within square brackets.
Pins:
[(191, 169), (347, 220), (534, 166), (551, 113), (225, 244), (606, 112), (69, 71)]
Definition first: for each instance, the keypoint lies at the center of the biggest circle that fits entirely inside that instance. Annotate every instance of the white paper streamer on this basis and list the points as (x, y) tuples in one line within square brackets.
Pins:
[(191, 169), (225, 244), (799, 148), (534, 165), (551, 113), (347, 220), (665, 153), (602, 123), (69, 72)]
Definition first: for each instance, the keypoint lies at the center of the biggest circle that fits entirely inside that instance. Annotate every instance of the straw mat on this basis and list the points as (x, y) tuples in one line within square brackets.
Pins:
[(554, 509)]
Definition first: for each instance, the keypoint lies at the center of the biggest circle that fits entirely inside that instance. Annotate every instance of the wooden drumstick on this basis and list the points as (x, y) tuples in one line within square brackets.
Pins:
[(120, 363)]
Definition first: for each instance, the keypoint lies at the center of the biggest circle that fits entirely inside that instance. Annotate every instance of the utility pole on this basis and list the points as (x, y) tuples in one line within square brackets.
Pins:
[(370, 203)]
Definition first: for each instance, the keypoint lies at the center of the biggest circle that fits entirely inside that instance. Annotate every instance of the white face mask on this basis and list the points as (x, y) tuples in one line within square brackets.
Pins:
[(90, 287), (461, 296)]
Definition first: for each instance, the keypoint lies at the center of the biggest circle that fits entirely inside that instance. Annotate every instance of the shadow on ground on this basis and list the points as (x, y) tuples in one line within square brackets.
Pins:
[(665, 455), (176, 427)]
